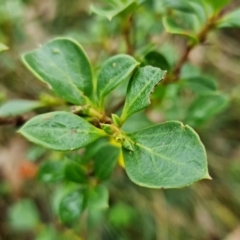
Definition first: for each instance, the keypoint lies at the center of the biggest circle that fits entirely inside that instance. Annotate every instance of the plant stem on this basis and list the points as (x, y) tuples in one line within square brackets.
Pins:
[(127, 35)]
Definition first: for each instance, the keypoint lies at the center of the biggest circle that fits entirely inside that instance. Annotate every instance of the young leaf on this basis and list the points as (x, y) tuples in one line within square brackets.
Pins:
[(17, 107), (114, 8), (75, 173), (3, 47), (200, 84), (105, 160), (204, 108), (168, 155), (139, 88), (230, 20), (113, 72), (60, 131), (63, 64), (98, 198), (71, 206)]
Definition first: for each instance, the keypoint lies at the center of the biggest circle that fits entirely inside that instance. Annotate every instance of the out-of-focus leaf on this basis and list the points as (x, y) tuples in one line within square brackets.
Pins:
[(3, 47), (200, 84), (171, 26), (115, 8), (204, 108), (98, 198), (168, 155), (105, 160), (231, 20), (217, 4), (157, 59), (48, 233), (189, 71), (71, 206), (35, 152), (115, 70), (181, 5), (51, 171), (139, 89), (23, 215), (121, 215), (64, 65), (17, 107), (60, 131), (74, 172)]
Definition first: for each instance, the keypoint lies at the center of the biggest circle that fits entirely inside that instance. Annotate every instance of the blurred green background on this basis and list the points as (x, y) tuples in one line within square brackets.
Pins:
[(207, 210)]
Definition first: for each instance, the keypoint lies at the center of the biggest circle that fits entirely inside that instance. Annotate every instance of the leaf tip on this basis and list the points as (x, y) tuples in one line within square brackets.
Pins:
[(207, 176)]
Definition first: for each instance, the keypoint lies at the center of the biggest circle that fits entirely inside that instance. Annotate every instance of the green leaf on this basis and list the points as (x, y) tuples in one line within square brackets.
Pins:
[(71, 206), (114, 8), (217, 4), (60, 131), (181, 5), (204, 108), (98, 198), (174, 28), (105, 160), (75, 173), (140, 86), (63, 64), (168, 155), (200, 84), (18, 107), (115, 70), (156, 59), (51, 171), (23, 215), (230, 20), (122, 215), (3, 47)]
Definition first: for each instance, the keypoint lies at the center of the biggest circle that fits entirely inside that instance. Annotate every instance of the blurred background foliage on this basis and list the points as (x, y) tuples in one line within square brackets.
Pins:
[(29, 196)]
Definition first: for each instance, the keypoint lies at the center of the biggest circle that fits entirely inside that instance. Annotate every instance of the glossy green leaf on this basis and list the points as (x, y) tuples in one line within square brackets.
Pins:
[(168, 155), (204, 108), (114, 8), (113, 72), (230, 20), (98, 198), (18, 107), (140, 87), (23, 215), (156, 59), (71, 206), (63, 64), (171, 26), (217, 4), (200, 84), (60, 131), (74, 172), (3, 47), (51, 171), (105, 160)]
